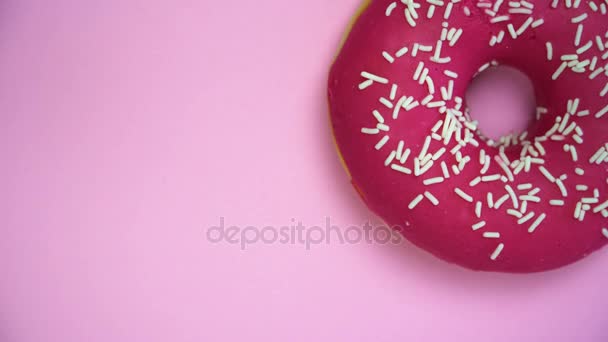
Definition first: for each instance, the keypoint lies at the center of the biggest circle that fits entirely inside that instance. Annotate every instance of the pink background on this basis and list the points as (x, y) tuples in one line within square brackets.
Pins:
[(127, 128)]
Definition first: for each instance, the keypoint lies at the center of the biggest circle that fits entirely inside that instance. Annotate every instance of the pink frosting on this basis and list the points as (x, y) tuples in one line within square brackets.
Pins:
[(549, 238)]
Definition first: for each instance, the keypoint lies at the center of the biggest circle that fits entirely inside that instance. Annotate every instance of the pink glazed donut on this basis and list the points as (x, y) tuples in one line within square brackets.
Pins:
[(528, 202)]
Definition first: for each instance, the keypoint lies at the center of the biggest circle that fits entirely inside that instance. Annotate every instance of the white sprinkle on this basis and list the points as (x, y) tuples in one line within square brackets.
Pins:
[(486, 165), (467, 11), (439, 153), (525, 186), (409, 19), (393, 92), (497, 251), (437, 54), (605, 232), (451, 74), (579, 19), (559, 70), (500, 201), (500, 37), (370, 130), (402, 52), (579, 35), (430, 85), (537, 222), (526, 218), (365, 84), (444, 169), (388, 57), (436, 104), (524, 207), (579, 171), (529, 198), (378, 116), (593, 6), (386, 102), (600, 44), (430, 12), (405, 155), (584, 49), (549, 51), (497, 5), (512, 196), (491, 235), (512, 31), (463, 195), (507, 171), (383, 127), (415, 50), (434, 180), (589, 200), (604, 91), (478, 207), (415, 202), (475, 181), (431, 198), (537, 23), (547, 174), (448, 11), (556, 202), (490, 178), (400, 149), (478, 225), (423, 76), (570, 128), (577, 211), (401, 169), (515, 213), (425, 48), (390, 8), (457, 35), (374, 78), (600, 207), (499, 19), (596, 156), (520, 11), (412, 105), (425, 147), (490, 200), (390, 158), (574, 154), (418, 71), (381, 143), (398, 107), (524, 26), (601, 112), (427, 166), (561, 187)]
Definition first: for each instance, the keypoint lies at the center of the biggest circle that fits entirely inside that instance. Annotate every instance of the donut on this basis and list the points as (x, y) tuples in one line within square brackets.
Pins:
[(530, 201)]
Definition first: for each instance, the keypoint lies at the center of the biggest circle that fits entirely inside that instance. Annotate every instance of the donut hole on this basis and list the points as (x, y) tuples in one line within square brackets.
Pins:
[(501, 99)]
